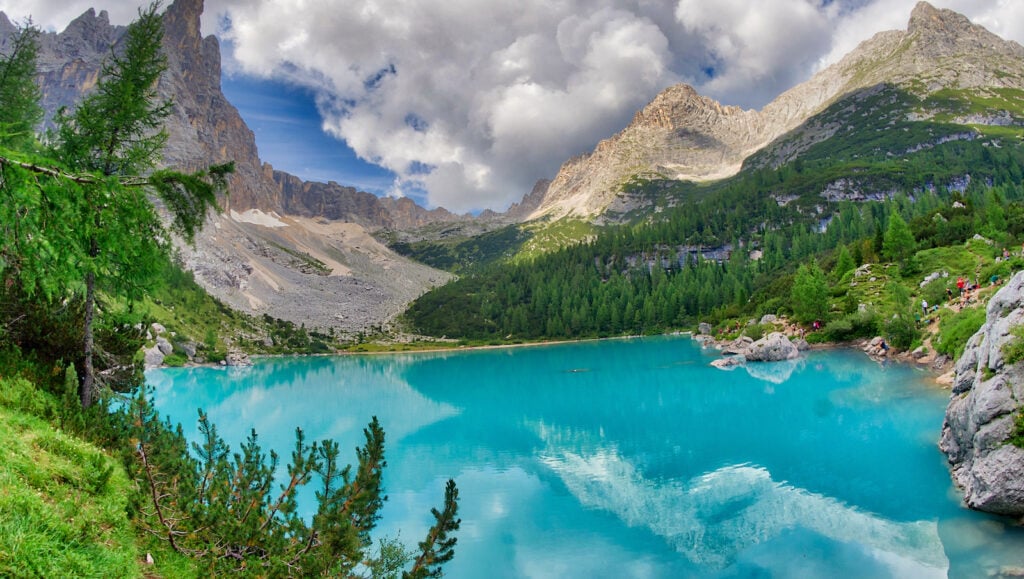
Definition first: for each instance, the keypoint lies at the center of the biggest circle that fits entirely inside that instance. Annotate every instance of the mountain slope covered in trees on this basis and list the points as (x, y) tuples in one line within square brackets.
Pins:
[(937, 150)]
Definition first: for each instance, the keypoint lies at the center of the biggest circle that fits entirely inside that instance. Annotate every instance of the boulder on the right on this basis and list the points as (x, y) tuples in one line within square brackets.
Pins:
[(981, 417)]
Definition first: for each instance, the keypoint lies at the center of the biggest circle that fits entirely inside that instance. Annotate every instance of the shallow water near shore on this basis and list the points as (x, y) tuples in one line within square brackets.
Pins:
[(632, 458)]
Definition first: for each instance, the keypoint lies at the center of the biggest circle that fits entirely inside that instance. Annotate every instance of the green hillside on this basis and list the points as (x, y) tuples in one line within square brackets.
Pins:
[(730, 249)]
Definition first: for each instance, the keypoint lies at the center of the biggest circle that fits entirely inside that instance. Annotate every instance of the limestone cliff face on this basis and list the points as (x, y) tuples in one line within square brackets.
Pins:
[(205, 128), (987, 395), (69, 62), (256, 254), (330, 201), (682, 135)]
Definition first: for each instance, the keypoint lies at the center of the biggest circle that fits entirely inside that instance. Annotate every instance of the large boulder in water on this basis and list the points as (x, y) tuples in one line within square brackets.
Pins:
[(771, 348), (986, 399)]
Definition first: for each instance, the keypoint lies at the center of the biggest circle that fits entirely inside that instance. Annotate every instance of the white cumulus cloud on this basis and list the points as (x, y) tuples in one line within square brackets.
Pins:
[(469, 102)]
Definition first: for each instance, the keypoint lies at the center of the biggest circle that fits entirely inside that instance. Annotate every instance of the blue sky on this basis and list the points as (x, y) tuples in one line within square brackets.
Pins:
[(465, 104), (290, 137)]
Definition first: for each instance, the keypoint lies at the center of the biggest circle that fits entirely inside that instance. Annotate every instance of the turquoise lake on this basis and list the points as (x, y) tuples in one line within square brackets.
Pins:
[(632, 458)]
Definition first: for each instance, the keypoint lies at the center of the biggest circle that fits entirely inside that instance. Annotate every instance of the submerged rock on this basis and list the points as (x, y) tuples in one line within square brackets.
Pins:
[(237, 359), (986, 397), (729, 362)]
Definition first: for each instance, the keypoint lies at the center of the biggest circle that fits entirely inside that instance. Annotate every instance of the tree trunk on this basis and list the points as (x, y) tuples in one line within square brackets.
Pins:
[(88, 383)]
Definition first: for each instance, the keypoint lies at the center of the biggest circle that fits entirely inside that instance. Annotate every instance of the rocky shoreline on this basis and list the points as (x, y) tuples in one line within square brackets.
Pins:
[(788, 341)]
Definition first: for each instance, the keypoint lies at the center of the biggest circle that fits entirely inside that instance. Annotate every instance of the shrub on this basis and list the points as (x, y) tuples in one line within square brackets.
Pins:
[(754, 332), (1017, 436), (935, 291), (901, 332), (852, 326), (1013, 350), (20, 394), (175, 360), (954, 331)]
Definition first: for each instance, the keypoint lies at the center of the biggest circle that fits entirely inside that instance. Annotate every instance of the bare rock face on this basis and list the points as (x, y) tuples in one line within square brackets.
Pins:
[(204, 127), (682, 135), (987, 395), (321, 267)]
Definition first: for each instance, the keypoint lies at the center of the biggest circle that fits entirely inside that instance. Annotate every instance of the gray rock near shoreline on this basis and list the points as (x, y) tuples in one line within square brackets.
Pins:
[(772, 348), (153, 357), (986, 398)]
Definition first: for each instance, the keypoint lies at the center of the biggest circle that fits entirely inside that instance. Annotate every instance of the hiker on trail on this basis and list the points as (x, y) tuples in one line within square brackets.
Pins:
[(924, 306)]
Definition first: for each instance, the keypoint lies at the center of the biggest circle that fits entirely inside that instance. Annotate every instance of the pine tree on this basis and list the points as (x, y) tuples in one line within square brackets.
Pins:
[(898, 243), (111, 140), (844, 263), (19, 93), (810, 294)]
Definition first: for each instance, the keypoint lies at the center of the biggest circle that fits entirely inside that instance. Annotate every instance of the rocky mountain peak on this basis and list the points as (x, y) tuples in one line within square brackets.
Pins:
[(685, 136), (928, 19), (89, 32), (6, 26), (943, 32), (182, 24)]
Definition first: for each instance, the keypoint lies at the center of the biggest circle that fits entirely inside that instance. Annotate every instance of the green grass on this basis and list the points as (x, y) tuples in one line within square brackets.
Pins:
[(958, 260), (1013, 350), (62, 503), (955, 330), (551, 236)]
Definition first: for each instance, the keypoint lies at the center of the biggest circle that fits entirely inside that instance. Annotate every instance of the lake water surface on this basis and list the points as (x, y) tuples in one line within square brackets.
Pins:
[(632, 458)]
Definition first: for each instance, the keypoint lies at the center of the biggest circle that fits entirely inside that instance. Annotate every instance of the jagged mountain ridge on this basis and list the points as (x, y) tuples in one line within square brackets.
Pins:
[(685, 136), (296, 250)]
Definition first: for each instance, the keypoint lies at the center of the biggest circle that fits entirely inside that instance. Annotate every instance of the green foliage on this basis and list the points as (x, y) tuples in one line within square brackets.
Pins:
[(852, 326), (754, 332), (934, 292), (221, 508), (844, 263), (19, 93), (1013, 350), (457, 253), (900, 329), (175, 360), (810, 294), (955, 330), (392, 557), (19, 394), (438, 548), (898, 243), (1017, 435), (117, 128), (901, 332), (62, 505), (80, 226)]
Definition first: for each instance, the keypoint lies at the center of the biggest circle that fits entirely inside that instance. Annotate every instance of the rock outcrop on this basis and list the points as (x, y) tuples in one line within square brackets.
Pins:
[(774, 347), (987, 396)]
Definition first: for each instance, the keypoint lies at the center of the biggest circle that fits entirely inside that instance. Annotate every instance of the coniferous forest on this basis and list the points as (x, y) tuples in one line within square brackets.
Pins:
[(732, 250)]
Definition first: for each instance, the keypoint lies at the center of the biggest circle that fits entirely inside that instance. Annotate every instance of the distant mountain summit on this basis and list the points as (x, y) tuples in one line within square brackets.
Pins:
[(685, 136)]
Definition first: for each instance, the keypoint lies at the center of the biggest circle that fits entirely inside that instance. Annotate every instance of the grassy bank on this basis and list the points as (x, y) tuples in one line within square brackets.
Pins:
[(64, 503)]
